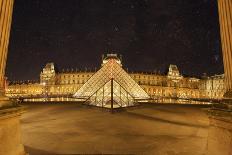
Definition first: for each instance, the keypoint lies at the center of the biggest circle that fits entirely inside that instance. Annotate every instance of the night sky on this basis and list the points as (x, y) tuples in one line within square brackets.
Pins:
[(150, 35)]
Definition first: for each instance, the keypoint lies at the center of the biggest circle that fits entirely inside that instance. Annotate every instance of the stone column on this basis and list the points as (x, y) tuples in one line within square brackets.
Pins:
[(220, 115), (225, 18), (6, 9), (10, 135)]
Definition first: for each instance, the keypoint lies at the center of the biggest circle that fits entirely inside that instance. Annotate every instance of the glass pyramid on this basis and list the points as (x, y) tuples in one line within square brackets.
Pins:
[(111, 87)]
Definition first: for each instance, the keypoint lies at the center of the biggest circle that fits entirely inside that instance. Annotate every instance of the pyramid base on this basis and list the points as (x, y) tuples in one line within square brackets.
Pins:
[(107, 105)]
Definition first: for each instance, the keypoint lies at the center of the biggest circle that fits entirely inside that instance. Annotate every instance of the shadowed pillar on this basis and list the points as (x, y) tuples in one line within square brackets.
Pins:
[(220, 116), (10, 136)]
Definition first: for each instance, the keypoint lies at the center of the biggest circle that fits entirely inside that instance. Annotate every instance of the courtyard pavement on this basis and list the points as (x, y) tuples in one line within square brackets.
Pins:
[(149, 129)]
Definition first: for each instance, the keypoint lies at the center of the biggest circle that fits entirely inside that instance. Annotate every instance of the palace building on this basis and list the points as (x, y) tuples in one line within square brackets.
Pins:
[(73, 85)]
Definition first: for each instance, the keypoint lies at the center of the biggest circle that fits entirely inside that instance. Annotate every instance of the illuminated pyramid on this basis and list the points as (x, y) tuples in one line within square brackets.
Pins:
[(111, 86)]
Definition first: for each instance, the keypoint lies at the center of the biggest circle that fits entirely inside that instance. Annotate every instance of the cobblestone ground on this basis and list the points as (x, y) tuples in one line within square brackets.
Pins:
[(149, 129)]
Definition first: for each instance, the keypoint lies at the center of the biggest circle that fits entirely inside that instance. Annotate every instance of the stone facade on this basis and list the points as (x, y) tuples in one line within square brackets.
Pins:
[(214, 86), (172, 85), (47, 76)]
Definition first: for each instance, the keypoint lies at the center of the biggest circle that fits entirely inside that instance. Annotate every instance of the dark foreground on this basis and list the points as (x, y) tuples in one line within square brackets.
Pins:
[(76, 129)]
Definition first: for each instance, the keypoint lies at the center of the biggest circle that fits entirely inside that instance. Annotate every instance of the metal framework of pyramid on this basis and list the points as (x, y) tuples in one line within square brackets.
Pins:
[(111, 87)]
